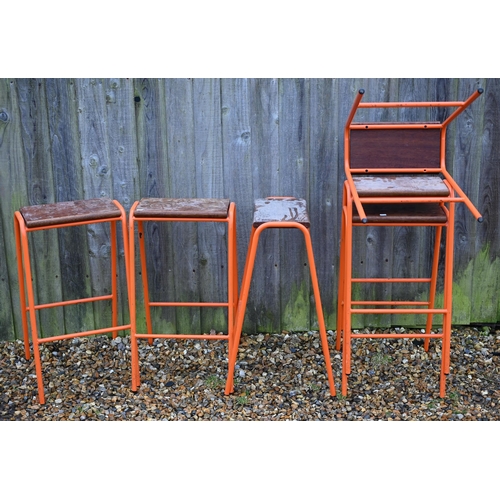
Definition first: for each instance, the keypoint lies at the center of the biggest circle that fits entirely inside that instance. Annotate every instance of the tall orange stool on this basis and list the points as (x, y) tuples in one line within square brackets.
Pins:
[(179, 210), (396, 176), (277, 212), (55, 216)]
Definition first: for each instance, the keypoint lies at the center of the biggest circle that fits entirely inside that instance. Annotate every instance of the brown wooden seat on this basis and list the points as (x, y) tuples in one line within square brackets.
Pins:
[(182, 208), (396, 176), (402, 213), (67, 212), (400, 185)]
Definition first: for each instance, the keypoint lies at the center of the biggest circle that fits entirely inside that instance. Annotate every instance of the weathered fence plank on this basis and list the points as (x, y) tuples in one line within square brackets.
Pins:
[(39, 178), (63, 139), (97, 173), (209, 178), (154, 182), (13, 195), (485, 254), (237, 158), (121, 132), (294, 181), (180, 156), (265, 297), (326, 178), (68, 185)]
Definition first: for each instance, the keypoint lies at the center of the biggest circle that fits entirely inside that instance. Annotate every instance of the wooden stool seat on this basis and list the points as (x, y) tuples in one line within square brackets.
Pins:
[(69, 212), (402, 213), (280, 209), (400, 185), (182, 208)]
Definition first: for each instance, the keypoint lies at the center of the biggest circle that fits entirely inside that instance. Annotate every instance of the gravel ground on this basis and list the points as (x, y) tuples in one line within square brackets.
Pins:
[(278, 377)]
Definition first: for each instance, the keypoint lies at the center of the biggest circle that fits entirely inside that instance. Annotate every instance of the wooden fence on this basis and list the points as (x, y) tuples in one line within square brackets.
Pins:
[(67, 139)]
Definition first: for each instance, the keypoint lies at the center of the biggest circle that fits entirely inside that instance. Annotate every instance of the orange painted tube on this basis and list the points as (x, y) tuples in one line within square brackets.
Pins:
[(20, 275), (245, 288), (416, 104), (462, 106), (397, 335)]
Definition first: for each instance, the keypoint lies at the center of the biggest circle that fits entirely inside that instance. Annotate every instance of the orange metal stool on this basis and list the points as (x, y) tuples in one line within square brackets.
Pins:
[(277, 212), (396, 176), (180, 210), (54, 216)]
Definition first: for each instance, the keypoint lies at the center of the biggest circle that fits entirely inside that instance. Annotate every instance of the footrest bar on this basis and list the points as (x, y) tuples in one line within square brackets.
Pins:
[(398, 311), (84, 334), (189, 304), (201, 336), (397, 335), (71, 302)]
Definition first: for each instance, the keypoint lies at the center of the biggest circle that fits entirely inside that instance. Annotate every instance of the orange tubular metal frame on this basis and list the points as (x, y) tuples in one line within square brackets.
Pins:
[(346, 306), (26, 287), (245, 288), (232, 286)]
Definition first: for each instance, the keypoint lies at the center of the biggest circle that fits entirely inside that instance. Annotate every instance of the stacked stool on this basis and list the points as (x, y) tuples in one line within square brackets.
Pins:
[(55, 216), (396, 176), (162, 210), (277, 212)]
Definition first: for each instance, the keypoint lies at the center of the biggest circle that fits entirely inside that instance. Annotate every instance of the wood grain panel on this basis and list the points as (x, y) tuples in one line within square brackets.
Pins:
[(209, 177), (97, 182), (13, 195), (68, 181), (154, 182), (237, 160), (180, 157), (242, 139), (40, 188), (294, 181), (266, 286)]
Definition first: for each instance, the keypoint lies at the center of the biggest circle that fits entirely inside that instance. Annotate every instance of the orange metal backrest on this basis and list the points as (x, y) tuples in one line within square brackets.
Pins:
[(394, 148)]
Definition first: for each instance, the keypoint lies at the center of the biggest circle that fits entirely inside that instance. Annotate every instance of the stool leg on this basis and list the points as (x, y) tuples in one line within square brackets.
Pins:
[(232, 277), (319, 308), (32, 315), (448, 292), (114, 280), (433, 283), (341, 287), (347, 292), (134, 353), (22, 290), (145, 285), (242, 304), (346, 353), (126, 247)]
